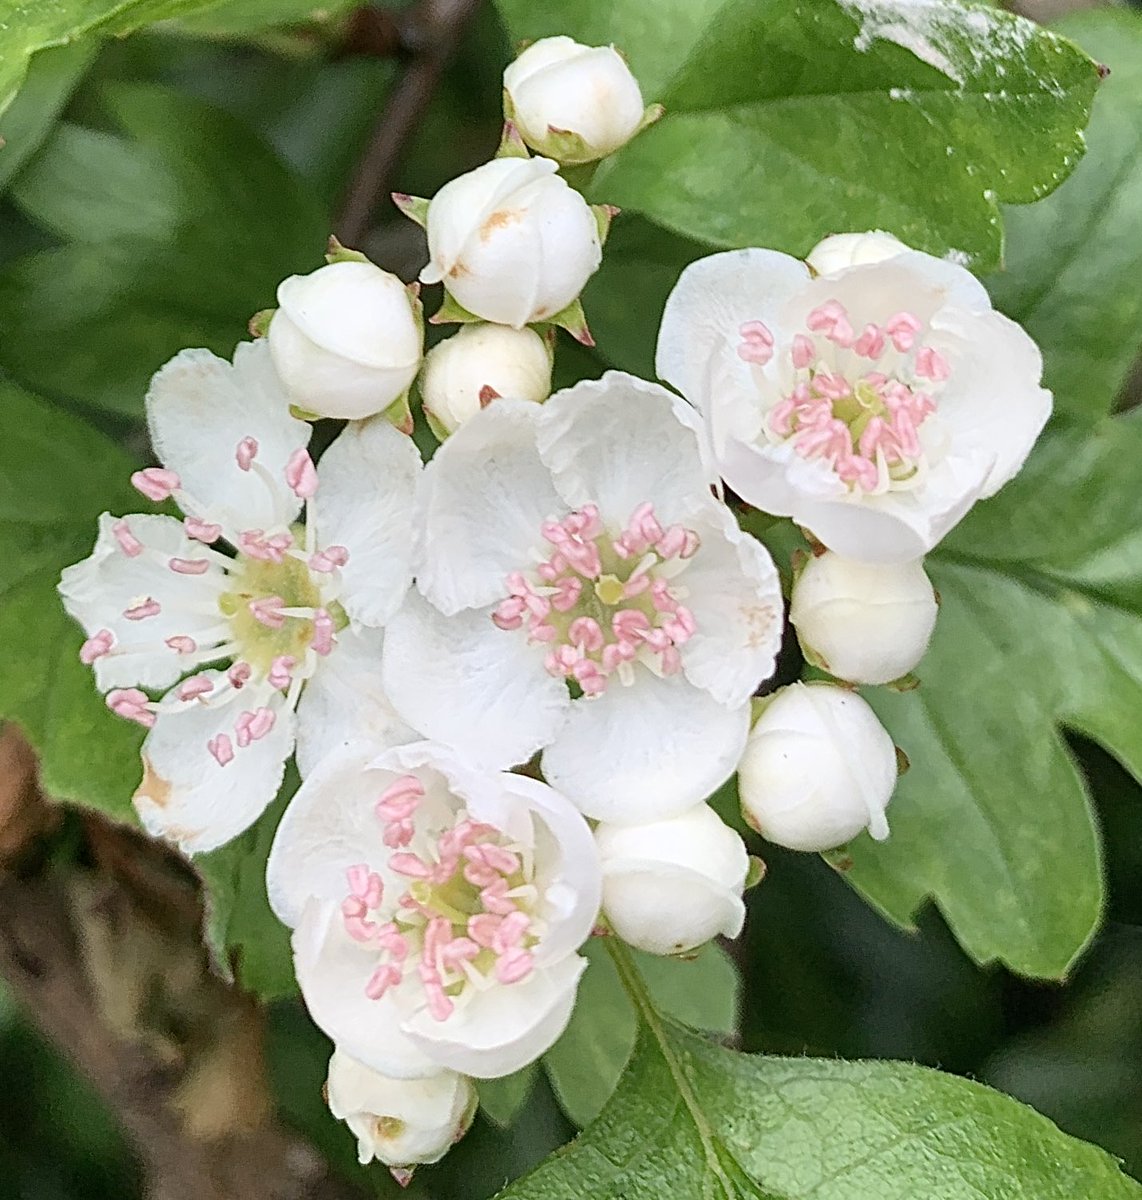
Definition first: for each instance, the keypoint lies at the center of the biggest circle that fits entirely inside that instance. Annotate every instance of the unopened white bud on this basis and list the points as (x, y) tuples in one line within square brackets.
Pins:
[(669, 886), (345, 339), (400, 1122), (863, 622), (818, 768), (511, 241), (572, 102), (843, 250), (465, 372)]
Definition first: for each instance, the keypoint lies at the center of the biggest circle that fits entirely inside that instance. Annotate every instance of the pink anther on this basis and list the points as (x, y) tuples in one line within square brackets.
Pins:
[(514, 966), (329, 559), (253, 726), (902, 328), (132, 704), (281, 671), (96, 646), (147, 607), (221, 748), (585, 633), (181, 644), (246, 452), (931, 364), (195, 686), (322, 640), (201, 531), (264, 610), (189, 566), (804, 352), (239, 675), (301, 474), (128, 542), (870, 344), (156, 483), (256, 544)]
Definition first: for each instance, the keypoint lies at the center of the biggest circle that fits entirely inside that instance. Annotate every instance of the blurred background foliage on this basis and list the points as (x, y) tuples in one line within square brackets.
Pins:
[(155, 190)]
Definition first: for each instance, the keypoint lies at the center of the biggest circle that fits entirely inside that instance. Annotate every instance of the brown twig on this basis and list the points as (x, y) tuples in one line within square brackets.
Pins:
[(427, 35), (107, 961)]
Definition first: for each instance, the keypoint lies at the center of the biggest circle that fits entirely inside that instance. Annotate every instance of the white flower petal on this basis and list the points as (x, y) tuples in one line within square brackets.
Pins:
[(186, 797), (993, 398), (328, 827), (571, 884), (505, 1028), (618, 442), (101, 588), (483, 498), (478, 689), (647, 751), (364, 502), (344, 702), (332, 971), (698, 338), (199, 408), (732, 588)]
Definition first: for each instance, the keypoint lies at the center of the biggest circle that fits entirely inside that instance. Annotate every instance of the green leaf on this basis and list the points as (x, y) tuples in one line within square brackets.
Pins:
[(57, 475), (221, 221), (585, 1064), (788, 122), (247, 942), (53, 76), (31, 25), (240, 18), (640, 260), (693, 1119), (1074, 261), (501, 1099), (1040, 627)]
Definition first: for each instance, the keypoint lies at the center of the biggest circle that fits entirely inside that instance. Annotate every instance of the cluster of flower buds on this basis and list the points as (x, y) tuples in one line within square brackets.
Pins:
[(512, 678)]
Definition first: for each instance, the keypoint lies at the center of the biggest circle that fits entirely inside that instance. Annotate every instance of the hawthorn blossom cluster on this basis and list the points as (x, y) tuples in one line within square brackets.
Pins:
[(512, 678)]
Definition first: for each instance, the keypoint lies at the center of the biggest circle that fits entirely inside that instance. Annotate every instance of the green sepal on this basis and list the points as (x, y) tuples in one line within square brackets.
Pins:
[(303, 414), (906, 683), (259, 323), (653, 113), (604, 215), (755, 873), (450, 312), (336, 253), (574, 320), (511, 144), (838, 858), (413, 207), (399, 413), (438, 431)]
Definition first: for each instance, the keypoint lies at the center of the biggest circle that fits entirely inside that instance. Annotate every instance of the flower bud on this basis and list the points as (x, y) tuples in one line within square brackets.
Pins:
[(818, 768), (863, 622), (345, 339), (399, 1122), (481, 362), (572, 102), (512, 242), (671, 885), (841, 250)]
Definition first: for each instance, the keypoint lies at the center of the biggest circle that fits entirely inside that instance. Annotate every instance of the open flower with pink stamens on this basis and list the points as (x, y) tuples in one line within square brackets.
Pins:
[(436, 909), (256, 646), (582, 592), (873, 404)]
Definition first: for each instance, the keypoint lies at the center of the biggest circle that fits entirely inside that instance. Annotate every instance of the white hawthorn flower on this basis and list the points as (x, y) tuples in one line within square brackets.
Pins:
[(477, 365), (572, 102), (863, 622), (346, 339), (873, 404), (436, 909), (511, 241), (669, 886), (256, 649), (582, 592), (819, 768), (399, 1122), (840, 251)]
